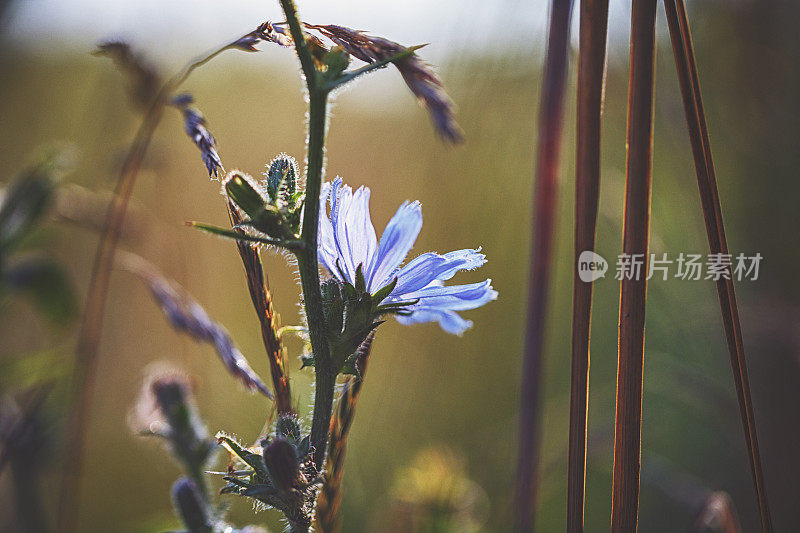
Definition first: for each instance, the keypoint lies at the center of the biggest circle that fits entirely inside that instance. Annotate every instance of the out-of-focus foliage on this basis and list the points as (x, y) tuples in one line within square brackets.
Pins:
[(26, 270), (424, 387), (435, 495)]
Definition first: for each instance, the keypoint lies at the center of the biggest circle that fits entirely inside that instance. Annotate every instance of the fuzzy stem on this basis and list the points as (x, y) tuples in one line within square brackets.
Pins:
[(309, 276), (303, 52), (307, 261)]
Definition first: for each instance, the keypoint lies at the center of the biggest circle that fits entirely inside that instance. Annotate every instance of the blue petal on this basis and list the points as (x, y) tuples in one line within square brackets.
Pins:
[(341, 199), (346, 238), (430, 266), (327, 251), (359, 231), (396, 241), (453, 297), (449, 321)]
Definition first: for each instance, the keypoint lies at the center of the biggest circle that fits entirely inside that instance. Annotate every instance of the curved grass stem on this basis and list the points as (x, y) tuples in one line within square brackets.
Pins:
[(87, 351)]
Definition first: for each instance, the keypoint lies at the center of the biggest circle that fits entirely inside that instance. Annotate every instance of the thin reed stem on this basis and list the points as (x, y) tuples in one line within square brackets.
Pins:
[(712, 213), (633, 287), (546, 175), (591, 70)]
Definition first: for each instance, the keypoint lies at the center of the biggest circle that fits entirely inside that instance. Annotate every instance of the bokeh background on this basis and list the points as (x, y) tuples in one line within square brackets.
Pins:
[(432, 402)]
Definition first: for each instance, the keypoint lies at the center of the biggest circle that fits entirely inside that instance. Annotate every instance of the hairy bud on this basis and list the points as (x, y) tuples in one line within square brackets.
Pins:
[(282, 179), (190, 505), (288, 426), (282, 463), (272, 209)]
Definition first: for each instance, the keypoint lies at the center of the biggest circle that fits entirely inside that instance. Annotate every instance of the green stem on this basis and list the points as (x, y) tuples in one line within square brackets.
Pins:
[(309, 275), (303, 52), (307, 261)]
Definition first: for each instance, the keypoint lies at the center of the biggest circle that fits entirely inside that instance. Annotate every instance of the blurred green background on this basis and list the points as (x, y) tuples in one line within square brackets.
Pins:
[(427, 390)]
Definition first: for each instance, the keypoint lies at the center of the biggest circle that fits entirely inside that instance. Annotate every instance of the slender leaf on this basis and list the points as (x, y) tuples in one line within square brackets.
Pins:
[(267, 317), (23, 202), (243, 237)]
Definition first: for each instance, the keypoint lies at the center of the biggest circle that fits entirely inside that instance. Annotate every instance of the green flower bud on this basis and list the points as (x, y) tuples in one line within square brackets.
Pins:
[(282, 180), (278, 219), (350, 315), (288, 426), (336, 61), (245, 193)]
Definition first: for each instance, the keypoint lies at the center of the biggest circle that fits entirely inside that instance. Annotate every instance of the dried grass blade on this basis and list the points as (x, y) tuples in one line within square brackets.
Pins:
[(591, 70), (269, 320), (329, 501), (187, 316), (548, 146), (712, 213), (633, 288)]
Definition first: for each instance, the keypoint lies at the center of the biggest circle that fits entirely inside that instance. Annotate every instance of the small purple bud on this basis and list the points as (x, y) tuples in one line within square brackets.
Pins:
[(171, 393), (182, 100), (195, 125), (280, 458), (190, 505)]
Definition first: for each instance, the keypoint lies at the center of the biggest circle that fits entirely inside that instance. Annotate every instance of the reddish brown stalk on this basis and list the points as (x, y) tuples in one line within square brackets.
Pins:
[(329, 501), (591, 69), (633, 288), (92, 322), (262, 303), (712, 213), (548, 146)]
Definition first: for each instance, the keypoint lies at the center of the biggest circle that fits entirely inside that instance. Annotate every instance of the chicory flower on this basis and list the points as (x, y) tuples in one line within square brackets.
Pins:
[(347, 240)]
